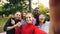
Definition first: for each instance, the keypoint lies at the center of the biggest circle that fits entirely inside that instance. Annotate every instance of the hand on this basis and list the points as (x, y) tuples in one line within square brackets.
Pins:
[(12, 21), (19, 24)]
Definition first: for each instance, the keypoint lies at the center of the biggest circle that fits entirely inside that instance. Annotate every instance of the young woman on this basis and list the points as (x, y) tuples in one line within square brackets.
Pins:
[(12, 23), (29, 28), (43, 24), (24, 17), (41, 20)]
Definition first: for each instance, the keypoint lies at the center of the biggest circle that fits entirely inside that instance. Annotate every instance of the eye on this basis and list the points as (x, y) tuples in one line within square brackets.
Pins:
[(18, 15), (28, 17)]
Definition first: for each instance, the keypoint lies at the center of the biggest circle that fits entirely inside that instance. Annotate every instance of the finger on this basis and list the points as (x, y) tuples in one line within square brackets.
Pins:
[(11, 19)]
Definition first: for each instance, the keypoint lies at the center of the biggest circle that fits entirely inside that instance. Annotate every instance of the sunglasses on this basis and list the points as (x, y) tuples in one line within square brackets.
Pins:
[(18, 15)]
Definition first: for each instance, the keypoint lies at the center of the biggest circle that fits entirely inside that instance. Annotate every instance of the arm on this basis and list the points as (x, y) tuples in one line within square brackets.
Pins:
[(8, 25), (16, 25), (55, 17), (11, 27)]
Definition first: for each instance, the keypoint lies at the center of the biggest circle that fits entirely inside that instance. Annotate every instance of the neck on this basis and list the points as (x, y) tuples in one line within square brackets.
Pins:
[(18, 18), (29, 22), (40, 24)]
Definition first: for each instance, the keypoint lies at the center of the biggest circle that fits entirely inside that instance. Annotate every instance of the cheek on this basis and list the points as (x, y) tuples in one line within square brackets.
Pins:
[(19, 16), (31, 19), (27, 19), (41, 20)]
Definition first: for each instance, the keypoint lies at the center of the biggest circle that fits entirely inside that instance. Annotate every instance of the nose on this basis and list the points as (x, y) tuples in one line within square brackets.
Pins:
[(27, 18)]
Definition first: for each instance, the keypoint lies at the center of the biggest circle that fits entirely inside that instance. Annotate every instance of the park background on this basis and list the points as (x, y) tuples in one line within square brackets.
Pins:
[(8, 8)]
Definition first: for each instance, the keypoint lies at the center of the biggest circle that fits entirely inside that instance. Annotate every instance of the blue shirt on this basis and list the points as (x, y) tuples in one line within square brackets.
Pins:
[(45, 27)]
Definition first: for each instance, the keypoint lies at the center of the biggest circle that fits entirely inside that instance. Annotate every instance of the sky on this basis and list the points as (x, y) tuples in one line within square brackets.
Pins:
[(36, 2), (44, 2)]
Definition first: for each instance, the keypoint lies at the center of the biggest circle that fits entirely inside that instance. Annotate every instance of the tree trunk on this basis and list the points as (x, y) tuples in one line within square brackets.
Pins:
[(30, 6)]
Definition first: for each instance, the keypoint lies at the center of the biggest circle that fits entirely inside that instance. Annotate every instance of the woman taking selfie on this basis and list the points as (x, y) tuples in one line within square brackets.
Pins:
[(29, 28), (12, 23)]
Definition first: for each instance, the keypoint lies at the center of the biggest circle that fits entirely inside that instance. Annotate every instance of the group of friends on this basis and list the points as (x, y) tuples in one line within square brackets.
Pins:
[(25, 23)]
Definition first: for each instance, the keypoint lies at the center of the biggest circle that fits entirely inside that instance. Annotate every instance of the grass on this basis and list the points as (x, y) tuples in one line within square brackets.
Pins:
[(2, 22)]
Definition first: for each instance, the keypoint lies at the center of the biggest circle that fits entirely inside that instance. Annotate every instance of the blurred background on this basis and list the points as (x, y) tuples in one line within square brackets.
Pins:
[(8, 8)]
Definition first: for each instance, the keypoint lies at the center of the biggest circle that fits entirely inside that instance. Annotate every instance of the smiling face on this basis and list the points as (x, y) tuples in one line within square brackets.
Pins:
[(24, 14), (17, 15), (41, 18), (29, 18)]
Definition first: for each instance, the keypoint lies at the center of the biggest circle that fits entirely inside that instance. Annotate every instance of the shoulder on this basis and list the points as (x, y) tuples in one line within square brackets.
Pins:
[(11, 18)]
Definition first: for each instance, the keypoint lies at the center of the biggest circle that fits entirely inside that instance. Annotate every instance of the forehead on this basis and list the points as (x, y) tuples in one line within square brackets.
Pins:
[(18, 13), (29, 15), (41, 16), (24, 13)]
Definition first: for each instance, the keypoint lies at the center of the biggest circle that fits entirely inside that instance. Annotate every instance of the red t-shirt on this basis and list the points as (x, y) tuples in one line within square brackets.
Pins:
[(29, 29), (17, 30)]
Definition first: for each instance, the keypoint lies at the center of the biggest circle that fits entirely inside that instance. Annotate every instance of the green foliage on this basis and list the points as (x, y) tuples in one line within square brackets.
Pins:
[(2, 23), (0, 8), (45, 11), (13, 6)]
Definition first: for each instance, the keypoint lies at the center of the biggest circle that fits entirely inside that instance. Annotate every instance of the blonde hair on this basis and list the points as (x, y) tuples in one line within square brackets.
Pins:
[(17, 12), (30, 14)]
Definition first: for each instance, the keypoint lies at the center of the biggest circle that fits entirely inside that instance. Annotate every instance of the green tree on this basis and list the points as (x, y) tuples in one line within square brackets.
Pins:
[(14, 5), (44, 10)]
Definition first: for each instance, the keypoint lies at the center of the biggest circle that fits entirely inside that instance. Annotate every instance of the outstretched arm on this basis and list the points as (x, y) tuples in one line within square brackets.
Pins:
[(55, 16)]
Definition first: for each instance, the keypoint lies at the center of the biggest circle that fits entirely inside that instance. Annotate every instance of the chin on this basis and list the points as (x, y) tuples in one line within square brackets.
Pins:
[(29, 22)]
